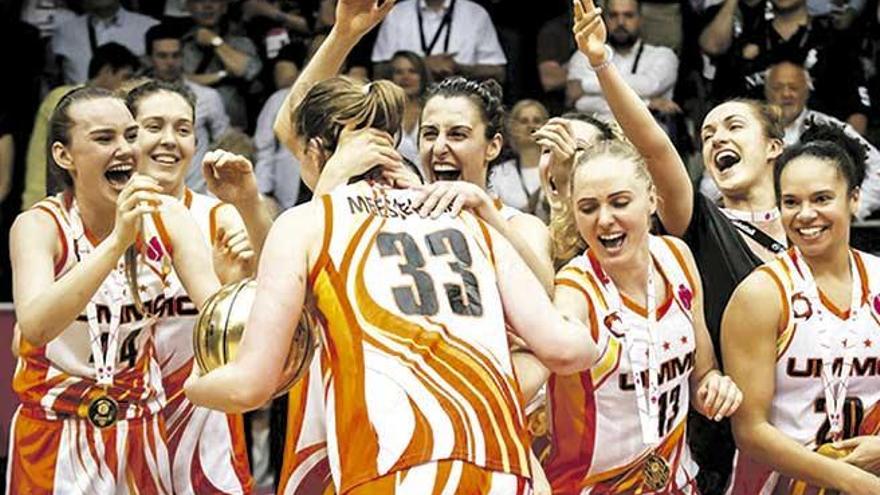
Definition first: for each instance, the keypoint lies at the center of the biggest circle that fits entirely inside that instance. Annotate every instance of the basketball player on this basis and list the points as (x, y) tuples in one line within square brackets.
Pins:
[(403, 370), (207, 448), (621, 426), (87, 377), (800, 334)]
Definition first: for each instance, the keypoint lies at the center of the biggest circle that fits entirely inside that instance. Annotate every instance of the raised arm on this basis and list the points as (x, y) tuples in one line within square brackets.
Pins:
[(231, 178), (250, 379), (716, 38), (190, 255), (44, 307), (354, 19), (665, 165), (749, 332)]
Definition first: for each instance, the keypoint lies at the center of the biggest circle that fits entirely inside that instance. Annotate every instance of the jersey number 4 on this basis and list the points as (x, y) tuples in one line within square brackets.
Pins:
[(420, 298)]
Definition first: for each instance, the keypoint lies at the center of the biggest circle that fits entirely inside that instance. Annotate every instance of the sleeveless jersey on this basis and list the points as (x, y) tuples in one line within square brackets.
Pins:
[(596, 436), (56, 380), (412, 322), (798, 406), (207, 447)]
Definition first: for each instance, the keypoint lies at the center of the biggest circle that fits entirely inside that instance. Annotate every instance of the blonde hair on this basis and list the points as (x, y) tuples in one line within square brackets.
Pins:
[(564, 234), (335, 103)]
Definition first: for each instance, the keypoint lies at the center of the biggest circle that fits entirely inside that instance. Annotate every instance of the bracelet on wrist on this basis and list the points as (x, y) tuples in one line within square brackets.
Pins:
[(609, 54)]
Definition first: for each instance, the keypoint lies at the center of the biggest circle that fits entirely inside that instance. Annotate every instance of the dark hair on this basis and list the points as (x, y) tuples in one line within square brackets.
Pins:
[(605, 130), (60, 124), (485, 95), (163, 31), (153, 86), (830, 143), (419, 63), (113, 55)]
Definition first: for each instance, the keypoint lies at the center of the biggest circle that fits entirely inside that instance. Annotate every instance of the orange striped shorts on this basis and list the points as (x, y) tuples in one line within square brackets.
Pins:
[(449, 476), (71, 456)]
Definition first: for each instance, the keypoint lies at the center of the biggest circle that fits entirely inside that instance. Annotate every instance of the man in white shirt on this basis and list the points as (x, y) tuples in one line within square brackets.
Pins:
[(104, 21), (788, 86), (456, 37), (650, 70), (165, 50)]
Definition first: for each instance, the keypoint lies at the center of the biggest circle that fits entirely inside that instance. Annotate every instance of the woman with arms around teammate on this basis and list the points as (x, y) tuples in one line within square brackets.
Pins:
[(799, 332), (402, 349), (207, 448), (88, 379), (620, 427), (741, 140)]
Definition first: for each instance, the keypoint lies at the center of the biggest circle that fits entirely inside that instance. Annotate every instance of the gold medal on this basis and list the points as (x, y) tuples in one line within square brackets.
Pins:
[(656, 472), (103, 411)]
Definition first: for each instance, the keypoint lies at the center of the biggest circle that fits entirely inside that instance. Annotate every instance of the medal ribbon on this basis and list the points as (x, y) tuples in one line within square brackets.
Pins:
[(643, 359), (833, 344)]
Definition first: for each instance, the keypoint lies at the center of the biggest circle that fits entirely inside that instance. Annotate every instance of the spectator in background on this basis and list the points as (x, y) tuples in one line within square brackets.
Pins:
[(215, 57), (842, 12), (555, 46), (104, 21), (276, 168), (788, 87), (165, 51), (792, 34), (455, 37), (46, 15), (650, 70), (111, 66), (517, 181), (409, 72), (273, 24)]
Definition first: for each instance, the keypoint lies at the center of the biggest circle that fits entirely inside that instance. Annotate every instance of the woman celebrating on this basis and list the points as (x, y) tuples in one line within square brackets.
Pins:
[(799, 335), (88, 378), (741, 140), (517, 181), (620, 426), (420, 388), (207, 448)]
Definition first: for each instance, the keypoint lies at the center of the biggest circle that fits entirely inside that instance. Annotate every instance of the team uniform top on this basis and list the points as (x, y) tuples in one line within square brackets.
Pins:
[(207, 447), (174, 343), (798, 405), (56, 380), (597, 446), (412, 322)]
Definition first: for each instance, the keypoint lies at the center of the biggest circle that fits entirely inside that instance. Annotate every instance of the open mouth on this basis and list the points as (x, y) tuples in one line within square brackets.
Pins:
[(811, 232), (612, 241), (726, 159), (118, 175), (446, 172), (165, 159)]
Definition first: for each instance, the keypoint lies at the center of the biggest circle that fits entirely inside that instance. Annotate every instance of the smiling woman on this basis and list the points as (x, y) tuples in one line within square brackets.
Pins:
[(634, 290), (200, 462), (86, 362), (818, 285)]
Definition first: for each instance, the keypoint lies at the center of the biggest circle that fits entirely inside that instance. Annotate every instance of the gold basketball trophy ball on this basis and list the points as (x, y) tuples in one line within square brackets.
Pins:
[(218, 333), (829, 450)]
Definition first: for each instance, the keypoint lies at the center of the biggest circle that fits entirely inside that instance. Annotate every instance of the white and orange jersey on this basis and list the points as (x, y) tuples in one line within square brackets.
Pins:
[(798, 405), (597, 446), (306, 468), (55, 380), (207, 447), (418, 362)]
